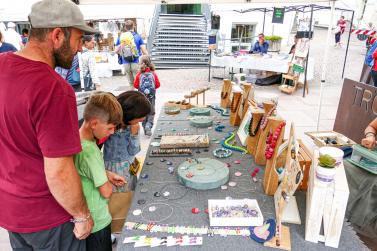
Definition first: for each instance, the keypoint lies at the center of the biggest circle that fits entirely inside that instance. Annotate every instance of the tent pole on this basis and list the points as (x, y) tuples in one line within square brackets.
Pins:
[(264, 19), (307, 56), (325, 59), (348, 43)]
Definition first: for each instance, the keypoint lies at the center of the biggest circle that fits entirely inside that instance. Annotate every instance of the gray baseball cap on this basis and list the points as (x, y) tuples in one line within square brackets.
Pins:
[(58, 13)]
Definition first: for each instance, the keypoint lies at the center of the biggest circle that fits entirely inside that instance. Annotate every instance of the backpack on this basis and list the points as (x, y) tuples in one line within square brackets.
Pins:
[(369, 57), (73, 75), (128, 49), (147, 85)]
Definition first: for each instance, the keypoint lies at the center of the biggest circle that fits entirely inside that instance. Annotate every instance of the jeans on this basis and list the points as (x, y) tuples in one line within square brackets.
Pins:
[(149, 119), (373, 73), (337, 37)]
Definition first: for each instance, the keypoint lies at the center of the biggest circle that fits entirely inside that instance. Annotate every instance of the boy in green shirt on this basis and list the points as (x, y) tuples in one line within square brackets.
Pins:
[(102, 115)]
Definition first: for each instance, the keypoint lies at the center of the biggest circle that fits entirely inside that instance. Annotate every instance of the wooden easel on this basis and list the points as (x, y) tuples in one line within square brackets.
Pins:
[(235, 119), (225, 93), (252, 141), (259, 158), (271, 177)]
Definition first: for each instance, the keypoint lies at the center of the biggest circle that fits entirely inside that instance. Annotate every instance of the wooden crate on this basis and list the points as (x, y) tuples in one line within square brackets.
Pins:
[(318, 138), (326, 203)]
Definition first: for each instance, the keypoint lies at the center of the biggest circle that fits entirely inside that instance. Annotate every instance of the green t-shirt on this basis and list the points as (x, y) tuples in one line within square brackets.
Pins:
[(91, 168)]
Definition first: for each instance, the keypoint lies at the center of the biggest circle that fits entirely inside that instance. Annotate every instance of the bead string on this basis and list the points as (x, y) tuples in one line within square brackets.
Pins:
[(225, 144), (224, 95), (153, 204), (254, 132), (272, 140), (233, 105), (264, 119), (222, 153)]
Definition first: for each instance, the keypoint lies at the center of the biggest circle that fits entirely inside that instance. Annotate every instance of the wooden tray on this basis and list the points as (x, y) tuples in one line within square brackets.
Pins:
[(319, 136)]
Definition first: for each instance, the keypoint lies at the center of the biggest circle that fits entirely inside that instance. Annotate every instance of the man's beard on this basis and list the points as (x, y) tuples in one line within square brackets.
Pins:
[(64, 55)]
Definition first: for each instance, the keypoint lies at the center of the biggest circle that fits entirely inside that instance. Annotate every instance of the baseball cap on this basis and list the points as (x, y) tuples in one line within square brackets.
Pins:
[(58, 13)]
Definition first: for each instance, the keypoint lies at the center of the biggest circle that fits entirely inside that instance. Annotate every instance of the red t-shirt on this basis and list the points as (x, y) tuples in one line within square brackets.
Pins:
[(137, 79), (38, 117)]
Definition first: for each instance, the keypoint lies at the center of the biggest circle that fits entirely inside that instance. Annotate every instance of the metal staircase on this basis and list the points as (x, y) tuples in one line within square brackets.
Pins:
[(180, 41)]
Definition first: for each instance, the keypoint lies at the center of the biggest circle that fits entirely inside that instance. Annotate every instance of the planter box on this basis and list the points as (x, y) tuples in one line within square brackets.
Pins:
[(274, 45)]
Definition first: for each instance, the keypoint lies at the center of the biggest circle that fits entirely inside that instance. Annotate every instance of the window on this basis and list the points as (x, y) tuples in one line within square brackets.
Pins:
[(242, 35)]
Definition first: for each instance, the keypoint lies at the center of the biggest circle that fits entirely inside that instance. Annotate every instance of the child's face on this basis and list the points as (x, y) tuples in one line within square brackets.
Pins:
[(135, 121), (102, 129)]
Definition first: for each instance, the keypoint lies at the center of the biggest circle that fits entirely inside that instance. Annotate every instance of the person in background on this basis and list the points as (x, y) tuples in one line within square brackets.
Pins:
[(42, 201), (341, 27), (370, 135), (373, 70), (130, 46), (12, 36), (5, 47), (72, 76), (146, 82), (24, 36), (89, 71), (102, 114), (260, 46)]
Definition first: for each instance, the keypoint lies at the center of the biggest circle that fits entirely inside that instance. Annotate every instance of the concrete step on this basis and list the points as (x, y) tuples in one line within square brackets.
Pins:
[(189, 36)]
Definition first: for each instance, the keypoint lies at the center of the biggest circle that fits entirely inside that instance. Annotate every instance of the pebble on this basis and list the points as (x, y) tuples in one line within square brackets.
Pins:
[(228, 198), (159, 129), (157, 194), (169, 163), (238, 174), (237, 162), (173, 130), (217, 142), (228, 165), (143, 190), (155, 143), (149, 163), (206, 150), (185, 129), (136, 212), (183, 168), (171, 169), (162, 160), (197, 151), (144, 176), (210, 128), (224, 187), (152, 209), (166, 194), (214, 139), (141, 202), (232, 184)]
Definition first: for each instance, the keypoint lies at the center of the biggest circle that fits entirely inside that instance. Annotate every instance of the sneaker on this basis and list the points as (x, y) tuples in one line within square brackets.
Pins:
[(113, 239), (147, 132)]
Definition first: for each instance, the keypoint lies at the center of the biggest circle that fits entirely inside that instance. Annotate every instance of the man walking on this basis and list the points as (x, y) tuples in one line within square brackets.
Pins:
[(130, 46), (43, 207)]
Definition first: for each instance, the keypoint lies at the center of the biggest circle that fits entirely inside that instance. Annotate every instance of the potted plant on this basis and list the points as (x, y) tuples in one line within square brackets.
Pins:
[(325, 171), (274, 42)]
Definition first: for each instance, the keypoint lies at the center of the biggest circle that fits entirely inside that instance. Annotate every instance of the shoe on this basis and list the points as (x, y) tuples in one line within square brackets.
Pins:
[(113, 239), (147, 132)]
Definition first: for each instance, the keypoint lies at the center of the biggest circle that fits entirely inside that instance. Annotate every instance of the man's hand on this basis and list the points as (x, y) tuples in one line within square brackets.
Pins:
[(135, 129), (116, 179), (83, 229), (369, 142)]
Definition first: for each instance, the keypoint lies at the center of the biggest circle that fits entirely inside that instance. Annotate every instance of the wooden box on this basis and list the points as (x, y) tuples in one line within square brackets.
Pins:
[(326, 203), (320, 136)]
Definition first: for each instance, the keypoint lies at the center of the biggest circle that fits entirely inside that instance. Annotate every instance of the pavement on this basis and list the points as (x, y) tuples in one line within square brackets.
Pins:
[(294, 108)]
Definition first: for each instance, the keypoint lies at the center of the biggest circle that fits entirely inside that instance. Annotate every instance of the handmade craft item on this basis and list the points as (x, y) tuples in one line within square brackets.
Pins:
[(234, 118), (254, 130), (225, 144), (196, 94), (183, 105), (330, 138), (247, 95), (225, 93), (204, 173), (200, 111), (234, 213), (326, 206), (222, 153), (243, 130), (171, 152), (201, 121), (185, 141), (263, 233), (169, 241), (272, 140), (172, 110), (223, 111), (204, 230)]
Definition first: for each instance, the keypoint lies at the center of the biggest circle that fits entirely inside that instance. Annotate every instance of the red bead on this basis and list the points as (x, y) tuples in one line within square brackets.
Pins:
[(271, 150), (195, 210), (206, 210), (256, 170)]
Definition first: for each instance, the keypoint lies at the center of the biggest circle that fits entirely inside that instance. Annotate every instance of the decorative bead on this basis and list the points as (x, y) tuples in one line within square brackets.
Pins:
[(144, 176), (238, 174), (157, 194), (141, 202), (195, 210), (136, 212), (237, 162), (232, 184)]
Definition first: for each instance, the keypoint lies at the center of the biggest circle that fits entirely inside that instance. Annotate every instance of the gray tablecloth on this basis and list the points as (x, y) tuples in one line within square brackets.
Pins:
[(159, 180)]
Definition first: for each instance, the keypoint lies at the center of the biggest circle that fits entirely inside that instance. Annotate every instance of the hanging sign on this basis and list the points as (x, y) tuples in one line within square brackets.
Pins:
[(278, 16)]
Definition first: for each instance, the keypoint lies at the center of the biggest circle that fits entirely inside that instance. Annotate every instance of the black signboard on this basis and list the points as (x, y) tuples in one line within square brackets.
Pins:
[(278, 16)]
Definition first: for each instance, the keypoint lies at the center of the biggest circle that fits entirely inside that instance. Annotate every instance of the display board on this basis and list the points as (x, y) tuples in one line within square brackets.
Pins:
[(278, 16), (357, 108)]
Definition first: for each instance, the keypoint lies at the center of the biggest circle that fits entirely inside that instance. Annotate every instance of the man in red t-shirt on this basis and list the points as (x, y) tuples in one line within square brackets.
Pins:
[(341, 27), (40, 189)]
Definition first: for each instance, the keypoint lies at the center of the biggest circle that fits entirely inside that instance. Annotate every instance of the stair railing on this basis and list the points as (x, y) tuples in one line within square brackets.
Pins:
[(153, 29)]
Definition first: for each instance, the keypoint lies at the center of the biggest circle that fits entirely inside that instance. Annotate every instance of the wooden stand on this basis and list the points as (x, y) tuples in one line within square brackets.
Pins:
[(252, 141), (260, 159), (271, 177), (305, 160), (196, 94), (235, 119), (285, 241), (225, 93), (242, 109)]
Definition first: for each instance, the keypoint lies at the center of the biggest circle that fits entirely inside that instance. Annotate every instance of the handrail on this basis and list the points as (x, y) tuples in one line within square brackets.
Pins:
[(153, 28)]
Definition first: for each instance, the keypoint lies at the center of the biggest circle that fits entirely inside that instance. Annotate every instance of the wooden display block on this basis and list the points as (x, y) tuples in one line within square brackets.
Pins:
[(285, 241), (225, 93), (305, 159), (181, 104), (326, 203), (242, 109), (260, 159), (184, 141), (271, 177), (252, 140), (235, 119)]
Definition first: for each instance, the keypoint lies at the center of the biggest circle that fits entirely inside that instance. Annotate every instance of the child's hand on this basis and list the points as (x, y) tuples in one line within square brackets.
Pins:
[(135, 129), (116, 179)]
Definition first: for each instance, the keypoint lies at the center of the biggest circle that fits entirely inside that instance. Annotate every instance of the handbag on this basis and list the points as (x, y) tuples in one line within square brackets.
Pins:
[(134, 167)]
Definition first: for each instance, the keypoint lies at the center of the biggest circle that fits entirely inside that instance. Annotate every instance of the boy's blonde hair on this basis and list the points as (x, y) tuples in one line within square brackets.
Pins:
[(105, 107), (145, 62)]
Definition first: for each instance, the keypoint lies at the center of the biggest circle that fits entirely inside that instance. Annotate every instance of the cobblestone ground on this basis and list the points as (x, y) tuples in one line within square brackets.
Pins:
[(294, 108)]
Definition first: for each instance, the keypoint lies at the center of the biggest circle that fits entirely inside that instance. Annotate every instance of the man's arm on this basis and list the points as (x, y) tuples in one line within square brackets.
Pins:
[(65, 185), (370, 135), (143, 49)]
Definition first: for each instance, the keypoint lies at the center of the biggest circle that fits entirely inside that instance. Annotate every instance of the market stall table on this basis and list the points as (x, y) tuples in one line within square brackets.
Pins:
[(176, 208)]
